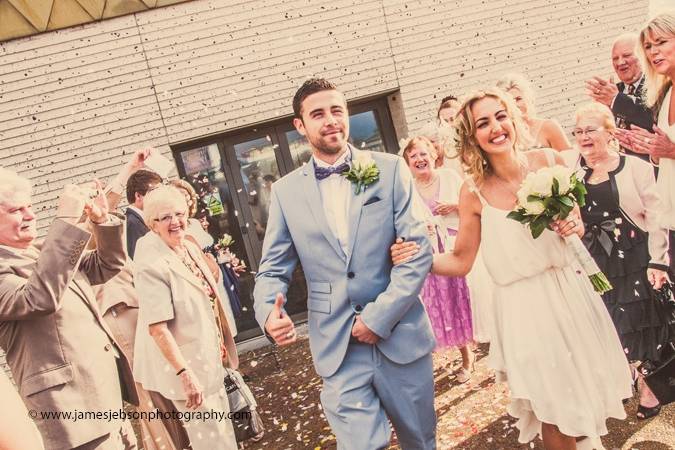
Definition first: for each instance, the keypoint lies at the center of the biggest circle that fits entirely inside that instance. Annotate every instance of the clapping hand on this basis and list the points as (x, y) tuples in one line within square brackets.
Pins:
[(362, 333), (278, 325), (656, 144), (602, 91)]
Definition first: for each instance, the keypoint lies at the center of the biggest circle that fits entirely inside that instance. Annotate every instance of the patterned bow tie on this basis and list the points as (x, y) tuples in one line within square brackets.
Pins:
[(324, 172)]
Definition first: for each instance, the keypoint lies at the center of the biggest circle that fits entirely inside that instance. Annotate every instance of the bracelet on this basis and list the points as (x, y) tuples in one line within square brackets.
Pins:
[(181, 371)]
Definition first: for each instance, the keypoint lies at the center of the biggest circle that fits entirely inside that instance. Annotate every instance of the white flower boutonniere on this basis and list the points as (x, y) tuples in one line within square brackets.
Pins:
[(363, 172)]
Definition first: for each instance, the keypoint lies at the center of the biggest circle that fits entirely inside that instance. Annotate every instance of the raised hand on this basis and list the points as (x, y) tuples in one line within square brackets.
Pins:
[(278, 325), (602, 91), (71, 204), (96, 205), (362, 333), (138, 159)]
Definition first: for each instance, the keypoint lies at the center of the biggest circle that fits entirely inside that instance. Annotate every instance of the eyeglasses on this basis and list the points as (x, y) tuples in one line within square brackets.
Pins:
[(578, 132), (168, 218)]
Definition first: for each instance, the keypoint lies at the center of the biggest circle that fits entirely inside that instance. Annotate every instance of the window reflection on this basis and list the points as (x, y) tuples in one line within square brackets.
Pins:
[(364, 133), (259, 169)]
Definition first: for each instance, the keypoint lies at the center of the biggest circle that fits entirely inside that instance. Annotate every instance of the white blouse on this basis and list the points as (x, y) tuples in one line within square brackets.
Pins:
[(666, 179)]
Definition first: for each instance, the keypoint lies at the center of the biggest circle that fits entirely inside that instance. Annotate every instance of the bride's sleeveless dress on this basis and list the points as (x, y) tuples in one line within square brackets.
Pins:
[(554, 341)]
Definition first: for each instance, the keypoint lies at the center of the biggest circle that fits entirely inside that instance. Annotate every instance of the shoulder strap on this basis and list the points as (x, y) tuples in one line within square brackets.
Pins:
[(473, 188), (550, 159)]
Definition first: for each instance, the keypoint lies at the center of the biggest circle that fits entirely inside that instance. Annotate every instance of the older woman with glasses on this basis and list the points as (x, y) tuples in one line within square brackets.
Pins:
[(182, 339), (621, 217)]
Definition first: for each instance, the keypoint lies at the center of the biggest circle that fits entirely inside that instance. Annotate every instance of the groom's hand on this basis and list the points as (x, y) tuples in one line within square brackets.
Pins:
[(279, 325), (362, 333)]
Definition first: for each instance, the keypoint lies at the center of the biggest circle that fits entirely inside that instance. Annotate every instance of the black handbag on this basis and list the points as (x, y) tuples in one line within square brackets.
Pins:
[(246, 420), (666, 297), (660, 376)]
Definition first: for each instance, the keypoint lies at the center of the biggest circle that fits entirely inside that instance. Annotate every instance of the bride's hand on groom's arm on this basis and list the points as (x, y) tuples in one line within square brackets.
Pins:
[(402, 252)]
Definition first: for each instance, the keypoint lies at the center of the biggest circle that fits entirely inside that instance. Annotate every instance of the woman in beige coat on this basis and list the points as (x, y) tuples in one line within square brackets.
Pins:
[(182, 337)]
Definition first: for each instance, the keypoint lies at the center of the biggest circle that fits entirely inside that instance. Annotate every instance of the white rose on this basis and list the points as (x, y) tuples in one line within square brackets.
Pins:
[(534, 208), (363, 159), (542, 182), (563, 175)]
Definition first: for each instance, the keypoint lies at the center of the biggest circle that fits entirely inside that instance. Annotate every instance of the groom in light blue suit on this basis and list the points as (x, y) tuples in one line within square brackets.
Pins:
[(369, 334)]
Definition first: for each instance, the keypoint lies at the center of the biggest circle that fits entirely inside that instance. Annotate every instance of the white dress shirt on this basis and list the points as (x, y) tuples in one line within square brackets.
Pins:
[(336, 195)]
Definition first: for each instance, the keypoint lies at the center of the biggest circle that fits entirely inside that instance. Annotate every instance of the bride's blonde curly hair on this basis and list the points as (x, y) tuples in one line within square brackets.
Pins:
[(470, 153)]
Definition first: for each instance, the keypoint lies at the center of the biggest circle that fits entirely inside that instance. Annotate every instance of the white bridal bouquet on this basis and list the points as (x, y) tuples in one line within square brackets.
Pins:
[(550, 194)]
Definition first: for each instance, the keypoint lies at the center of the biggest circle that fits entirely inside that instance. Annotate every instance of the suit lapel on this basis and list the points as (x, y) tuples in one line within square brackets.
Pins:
[(640, 87), (355, 206), (178, 267), (311, 189)]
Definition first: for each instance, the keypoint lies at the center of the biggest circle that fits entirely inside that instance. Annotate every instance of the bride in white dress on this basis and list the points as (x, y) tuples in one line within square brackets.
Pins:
[(554, 342)]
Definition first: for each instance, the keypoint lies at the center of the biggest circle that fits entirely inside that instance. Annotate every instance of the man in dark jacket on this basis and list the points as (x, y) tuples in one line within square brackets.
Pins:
[(138, 184)]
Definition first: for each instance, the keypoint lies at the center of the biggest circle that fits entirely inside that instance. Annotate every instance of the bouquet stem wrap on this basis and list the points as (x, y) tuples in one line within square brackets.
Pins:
[(598, 279)]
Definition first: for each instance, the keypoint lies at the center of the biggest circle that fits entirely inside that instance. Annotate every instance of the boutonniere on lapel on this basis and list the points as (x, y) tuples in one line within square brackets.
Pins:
[(363, 172)]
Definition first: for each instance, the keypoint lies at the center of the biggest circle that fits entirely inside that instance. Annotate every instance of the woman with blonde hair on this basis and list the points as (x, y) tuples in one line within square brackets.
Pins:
[(554, 342), (543, 132), (657, 52), (621, 216)]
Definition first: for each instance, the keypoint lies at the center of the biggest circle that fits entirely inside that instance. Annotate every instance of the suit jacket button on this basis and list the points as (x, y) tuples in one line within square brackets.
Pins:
[(351, 275), (107, 347), (357, 308)]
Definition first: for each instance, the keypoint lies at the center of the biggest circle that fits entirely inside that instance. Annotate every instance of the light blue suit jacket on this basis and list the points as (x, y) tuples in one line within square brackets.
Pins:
[(339, 284)]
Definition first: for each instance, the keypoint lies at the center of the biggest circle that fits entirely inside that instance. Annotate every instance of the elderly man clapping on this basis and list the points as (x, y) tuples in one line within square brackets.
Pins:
[(62, 355)]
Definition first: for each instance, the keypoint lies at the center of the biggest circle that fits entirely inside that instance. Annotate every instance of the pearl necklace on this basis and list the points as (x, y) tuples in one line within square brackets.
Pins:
[(421, 186)]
